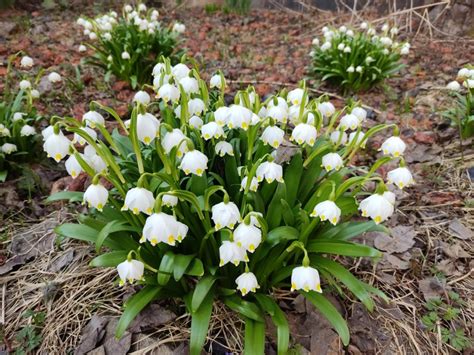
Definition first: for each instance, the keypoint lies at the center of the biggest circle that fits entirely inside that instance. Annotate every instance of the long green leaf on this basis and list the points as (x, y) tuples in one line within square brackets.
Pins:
[(72, 196), (245, 308), (279, 319), (346, 277), (111, 259), (281, 234), (200, 324), (180, 265), (166, 268), (338, 247), (202, 289), (134, 305), (331, 314), (254, 337)]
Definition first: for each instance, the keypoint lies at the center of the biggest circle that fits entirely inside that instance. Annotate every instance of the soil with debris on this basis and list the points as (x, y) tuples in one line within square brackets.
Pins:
[(429, 252)]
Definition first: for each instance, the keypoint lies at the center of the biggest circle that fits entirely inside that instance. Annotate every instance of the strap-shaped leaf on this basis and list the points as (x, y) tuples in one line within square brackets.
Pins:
[(200, 292), (292, 178), (200, 324), (166, 268), (245, 308), (109, 228), (111, 259), (134, 305), (273, 215), (278, 318), (348, 230), (254, 337), (72, 196), (346, 277), (339, 247), (281, 234), (331, 314), (181, 263)]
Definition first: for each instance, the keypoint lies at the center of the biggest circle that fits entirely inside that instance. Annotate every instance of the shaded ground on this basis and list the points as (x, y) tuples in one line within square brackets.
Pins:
[(430, 253)]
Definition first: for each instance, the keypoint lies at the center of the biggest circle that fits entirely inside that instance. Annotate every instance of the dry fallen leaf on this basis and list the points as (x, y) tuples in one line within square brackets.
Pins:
[(431, 287), (459, 230), (401, 240)]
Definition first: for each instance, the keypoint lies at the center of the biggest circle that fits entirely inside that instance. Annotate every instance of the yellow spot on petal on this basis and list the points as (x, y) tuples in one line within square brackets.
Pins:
[(251, 248), (293, 286), (199, 171), (171, 240), (239, 244), (149, 210), (73, 173), (318, 288), (244, 291), (58, 156), (378, 219), (207, 136), (100, 206), (323, 217), (154, 241), (306, 288), (187, 171), (230, 125), (334, 220), (396, 154), (221, 262), (245, 125), (135, 210)]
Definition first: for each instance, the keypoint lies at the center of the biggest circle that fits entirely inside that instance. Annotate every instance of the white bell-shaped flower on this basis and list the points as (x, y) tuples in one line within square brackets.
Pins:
[(35, 94), (278, 113), (349, 121), (211, 130), (305, 278), (280, 102), (400, 177), (73, 167), (142, 97), (231, 252), (96, 196), (80, 140), (304, 133), (169, 200), (82, 48), (196, 122), (163, 228), (54, 77), (168, 92), (239, 117), (248, 236), (56, 146), (389, 196), (253, 184), (139, 199), (463, 74), (216, 81), (327, 210), (8, 148), (225, 215), (360, 138), (26, 62), (295, 96), (338, 137), (190, 85), (221, 115), (196, 107), (180, 71), (332, 161), (48, 131), (453, 86), (270, 171), (130, 271), (326, 109), (125, 55), (376, 207), (97, 163), (223, 148), (194, 162), (179, 28), (247, 282), (148, 127), (393, 146), (93, 118), (360, 113), (27, 130), (172, 139), (273, 135), (25, 84)]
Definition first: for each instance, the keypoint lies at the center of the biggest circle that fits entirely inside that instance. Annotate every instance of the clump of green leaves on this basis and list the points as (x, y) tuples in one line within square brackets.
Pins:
[(29, 337), (357, 60), (127, 46), (444, 317), (462, 113), (19, 142)]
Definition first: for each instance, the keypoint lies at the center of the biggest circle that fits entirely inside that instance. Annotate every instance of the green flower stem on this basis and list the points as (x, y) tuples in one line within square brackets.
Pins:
[(135, 142), (308, 230)]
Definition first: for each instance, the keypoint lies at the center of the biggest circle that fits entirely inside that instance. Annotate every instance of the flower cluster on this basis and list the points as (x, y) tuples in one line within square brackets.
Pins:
[(18, 116), (125, 45), (462, 115), (357, 60), (198, 191)]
